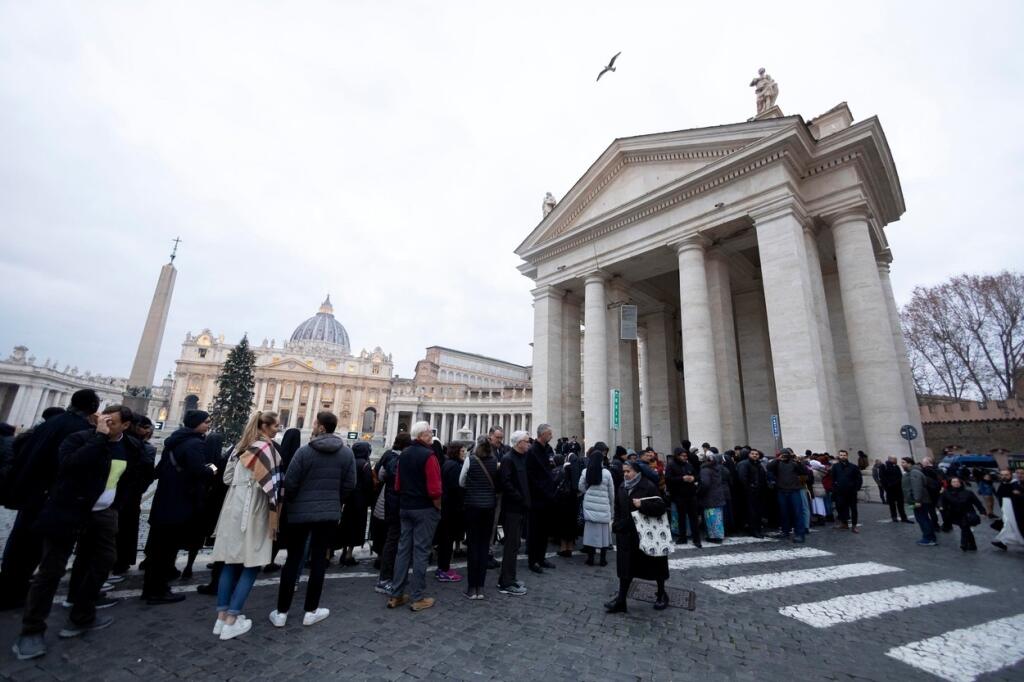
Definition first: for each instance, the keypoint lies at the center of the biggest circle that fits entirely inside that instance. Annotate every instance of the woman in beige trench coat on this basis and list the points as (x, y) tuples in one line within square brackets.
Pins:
[(248, 520)]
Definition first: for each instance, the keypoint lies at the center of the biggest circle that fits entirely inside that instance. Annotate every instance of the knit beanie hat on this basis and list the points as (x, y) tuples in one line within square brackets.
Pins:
[(194, 418)]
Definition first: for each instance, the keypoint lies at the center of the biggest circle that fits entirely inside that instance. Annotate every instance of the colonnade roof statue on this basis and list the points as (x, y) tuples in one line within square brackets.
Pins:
[(756, 255)]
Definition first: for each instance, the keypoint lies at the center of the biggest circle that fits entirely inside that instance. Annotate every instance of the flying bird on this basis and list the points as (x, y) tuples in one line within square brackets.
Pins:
[(610, 67)]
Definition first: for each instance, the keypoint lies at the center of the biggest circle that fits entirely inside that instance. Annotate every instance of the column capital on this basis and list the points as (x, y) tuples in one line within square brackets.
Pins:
[(690, 242), (849, 215), (547, 291), (884, 259), (780, 208), (596, 276)]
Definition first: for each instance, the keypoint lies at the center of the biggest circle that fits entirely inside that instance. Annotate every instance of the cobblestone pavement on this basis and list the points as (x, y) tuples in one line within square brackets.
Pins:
[(872, 606)]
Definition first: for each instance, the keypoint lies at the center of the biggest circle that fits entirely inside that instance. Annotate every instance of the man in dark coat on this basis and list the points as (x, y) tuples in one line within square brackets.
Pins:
[(890, 477), (135, 486), (32, 474), (752, 484), (515, 502), (846, 482), (681, 482), (81, 509), (542, 496), (182, 476)]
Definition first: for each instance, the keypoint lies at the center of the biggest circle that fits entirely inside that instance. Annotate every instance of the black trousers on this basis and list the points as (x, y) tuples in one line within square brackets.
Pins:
[(537, 535), (881, 493), (22, 553), (161, 551), (687, 508), (512, 525), (319, 536), (128, 534), (478, 544), (894, 496), (390, 551), (97, 549), (967, 540), (755, 515), (846, 506), (447, 532)]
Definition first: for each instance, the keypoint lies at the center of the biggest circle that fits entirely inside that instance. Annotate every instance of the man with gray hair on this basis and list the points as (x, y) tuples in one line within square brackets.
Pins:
[(418, 484), (515, 492), (542, 496)]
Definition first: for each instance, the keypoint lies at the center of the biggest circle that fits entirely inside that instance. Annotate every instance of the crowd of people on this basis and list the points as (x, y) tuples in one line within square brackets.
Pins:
[(78, 479)]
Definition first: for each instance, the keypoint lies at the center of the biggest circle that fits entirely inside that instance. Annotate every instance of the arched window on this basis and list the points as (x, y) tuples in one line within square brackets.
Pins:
[(369, 420)]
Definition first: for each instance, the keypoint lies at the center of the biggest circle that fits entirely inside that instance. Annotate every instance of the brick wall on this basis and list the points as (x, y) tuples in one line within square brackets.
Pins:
[(976, 436)]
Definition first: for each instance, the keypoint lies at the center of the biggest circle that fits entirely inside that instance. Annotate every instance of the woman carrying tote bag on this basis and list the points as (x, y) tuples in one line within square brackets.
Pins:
[(636, 494)]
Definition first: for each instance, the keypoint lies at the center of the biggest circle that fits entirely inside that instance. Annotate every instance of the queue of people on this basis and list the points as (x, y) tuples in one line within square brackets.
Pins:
[(422, 502)]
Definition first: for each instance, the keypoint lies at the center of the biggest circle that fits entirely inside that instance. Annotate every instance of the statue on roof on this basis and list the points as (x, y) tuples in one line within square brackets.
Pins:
[(765, 89), (549, 203)]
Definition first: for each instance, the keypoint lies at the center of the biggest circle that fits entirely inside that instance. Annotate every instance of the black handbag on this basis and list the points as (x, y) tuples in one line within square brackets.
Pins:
[(972, 518)]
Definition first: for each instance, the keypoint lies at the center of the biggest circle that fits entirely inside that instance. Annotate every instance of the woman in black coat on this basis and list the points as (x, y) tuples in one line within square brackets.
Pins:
[(450, 528), (957, 504), (636, 494), (291, 441), (352, 530)]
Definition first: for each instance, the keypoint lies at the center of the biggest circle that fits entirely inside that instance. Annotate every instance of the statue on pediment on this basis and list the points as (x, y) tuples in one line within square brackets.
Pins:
[(765, 89), (549, 203)]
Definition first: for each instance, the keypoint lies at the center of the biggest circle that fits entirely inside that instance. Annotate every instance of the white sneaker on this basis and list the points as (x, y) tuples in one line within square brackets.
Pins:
[(278, 619), (218, 625), (239, 627), (313, 617)]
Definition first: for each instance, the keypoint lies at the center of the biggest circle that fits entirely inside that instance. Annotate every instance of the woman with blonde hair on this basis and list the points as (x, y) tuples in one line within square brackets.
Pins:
[(248, 520)]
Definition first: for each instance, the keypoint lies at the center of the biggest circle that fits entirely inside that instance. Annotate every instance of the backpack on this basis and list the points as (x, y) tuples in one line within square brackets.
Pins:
[(11, 468), (931, 484)]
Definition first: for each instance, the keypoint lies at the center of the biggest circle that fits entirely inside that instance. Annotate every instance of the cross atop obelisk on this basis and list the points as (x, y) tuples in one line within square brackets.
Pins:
[(140, 382)]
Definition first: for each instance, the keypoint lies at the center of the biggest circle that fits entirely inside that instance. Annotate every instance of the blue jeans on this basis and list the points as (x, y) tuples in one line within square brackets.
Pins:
[(791, 511), (923, 518), (235, 584), (414, 544)]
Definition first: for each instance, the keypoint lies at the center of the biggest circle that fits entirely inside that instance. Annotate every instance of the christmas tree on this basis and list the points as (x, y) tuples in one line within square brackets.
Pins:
[(233, 404)]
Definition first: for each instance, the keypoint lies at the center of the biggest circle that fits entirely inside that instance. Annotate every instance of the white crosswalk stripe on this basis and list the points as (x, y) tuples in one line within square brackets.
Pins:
[(854, 607), (727, 542), (769, 581), (747, 558), (988, 647)]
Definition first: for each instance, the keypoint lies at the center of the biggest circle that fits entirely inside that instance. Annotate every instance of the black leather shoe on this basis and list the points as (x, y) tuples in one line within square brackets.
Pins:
[(207, 589), (536, 568), (546, 564), (615, 606), (661, 603), (167, 598)]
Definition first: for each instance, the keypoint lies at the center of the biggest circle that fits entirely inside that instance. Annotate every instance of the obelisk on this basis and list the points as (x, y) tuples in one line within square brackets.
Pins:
[(140, 381)]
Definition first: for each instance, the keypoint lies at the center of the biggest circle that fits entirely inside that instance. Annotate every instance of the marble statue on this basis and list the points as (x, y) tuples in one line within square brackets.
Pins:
[(549, 203), (766, 90)]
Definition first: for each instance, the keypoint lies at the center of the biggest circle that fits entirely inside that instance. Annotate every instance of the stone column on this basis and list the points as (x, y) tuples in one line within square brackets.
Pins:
[(620, 369), (572, 409), (643, 379), (876, 370), (307, 423), (853, 426), (756, 368), (900, 344), (828, 352), (548, 324), (660, 393), (793, 328), (699, 373), (595, 352), (723, 329), (277, 396)]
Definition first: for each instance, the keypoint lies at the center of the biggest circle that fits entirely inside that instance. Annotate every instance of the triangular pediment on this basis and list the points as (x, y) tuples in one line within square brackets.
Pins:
[(291, 364), (636, 167)]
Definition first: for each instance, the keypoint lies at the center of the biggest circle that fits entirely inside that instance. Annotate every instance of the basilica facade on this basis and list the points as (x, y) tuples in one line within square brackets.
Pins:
[(313, 370)]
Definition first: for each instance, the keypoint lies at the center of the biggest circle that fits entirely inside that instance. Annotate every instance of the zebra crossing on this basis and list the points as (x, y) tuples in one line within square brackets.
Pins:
[(993, 645)]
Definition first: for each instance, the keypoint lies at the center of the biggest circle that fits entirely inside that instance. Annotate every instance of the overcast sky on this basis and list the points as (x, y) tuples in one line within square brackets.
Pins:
[(394, 154)]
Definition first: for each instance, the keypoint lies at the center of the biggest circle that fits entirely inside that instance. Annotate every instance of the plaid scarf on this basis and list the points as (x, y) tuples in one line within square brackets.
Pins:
[(263, 460)]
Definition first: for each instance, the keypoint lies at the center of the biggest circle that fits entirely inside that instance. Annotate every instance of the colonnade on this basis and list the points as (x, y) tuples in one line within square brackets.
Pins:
[(821, 348)]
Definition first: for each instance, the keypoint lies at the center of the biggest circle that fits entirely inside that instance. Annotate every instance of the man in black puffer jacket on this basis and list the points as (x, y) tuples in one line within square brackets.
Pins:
[(31, 476), (681, 480), (890, 477), (320, 475), (846, 481), (542, 496)]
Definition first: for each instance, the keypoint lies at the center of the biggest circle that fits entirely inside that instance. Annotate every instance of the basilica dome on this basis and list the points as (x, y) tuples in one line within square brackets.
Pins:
[(323, 328)]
